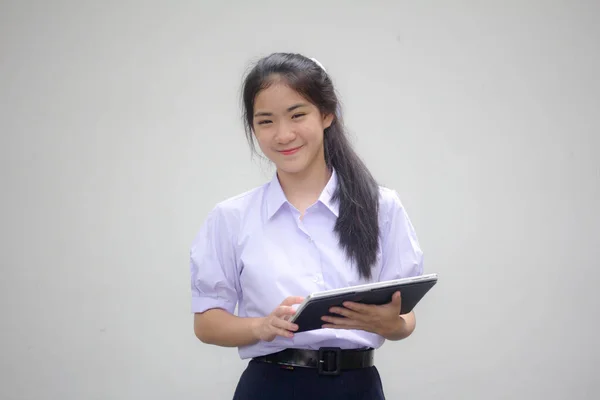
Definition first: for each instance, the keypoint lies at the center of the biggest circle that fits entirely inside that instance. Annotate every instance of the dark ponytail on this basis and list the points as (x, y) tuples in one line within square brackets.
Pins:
[(357, 225)]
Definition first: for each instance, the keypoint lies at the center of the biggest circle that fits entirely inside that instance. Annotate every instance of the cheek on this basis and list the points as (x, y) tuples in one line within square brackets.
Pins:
[(313, 135), (309, 130), (265, 144), (261, 138)]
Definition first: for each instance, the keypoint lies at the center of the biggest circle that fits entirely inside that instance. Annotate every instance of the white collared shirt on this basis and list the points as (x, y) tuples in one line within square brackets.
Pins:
[(253, 251)]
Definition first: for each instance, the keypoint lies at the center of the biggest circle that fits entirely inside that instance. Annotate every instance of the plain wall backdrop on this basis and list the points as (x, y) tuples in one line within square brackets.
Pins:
[(121, 128)]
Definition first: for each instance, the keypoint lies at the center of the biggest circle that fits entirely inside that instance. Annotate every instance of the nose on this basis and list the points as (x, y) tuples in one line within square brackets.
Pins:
[(285, 134)]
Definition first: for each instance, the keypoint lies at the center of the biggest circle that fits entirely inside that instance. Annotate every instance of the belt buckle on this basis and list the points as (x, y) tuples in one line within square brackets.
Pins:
[(325, 362)]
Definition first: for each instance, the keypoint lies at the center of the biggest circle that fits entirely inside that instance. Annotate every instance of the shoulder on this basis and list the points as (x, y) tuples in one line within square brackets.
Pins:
[(226, 216), (237, 206), (389, 200), (392, 212)]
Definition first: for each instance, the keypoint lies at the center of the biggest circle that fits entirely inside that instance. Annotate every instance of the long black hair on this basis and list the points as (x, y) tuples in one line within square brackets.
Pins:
[(357, 225)]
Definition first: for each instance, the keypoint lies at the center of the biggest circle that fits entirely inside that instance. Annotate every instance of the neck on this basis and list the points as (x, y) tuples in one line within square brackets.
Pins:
[(304, 188)]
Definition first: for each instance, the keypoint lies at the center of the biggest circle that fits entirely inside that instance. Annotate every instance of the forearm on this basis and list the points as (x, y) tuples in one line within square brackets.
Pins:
[(403, 328), (219, 327)]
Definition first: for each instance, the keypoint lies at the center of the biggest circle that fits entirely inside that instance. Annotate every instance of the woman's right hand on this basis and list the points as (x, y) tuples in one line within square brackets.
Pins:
[(277, 324)]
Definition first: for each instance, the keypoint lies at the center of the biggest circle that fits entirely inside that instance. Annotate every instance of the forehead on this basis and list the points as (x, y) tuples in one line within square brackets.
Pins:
[(277, 98)]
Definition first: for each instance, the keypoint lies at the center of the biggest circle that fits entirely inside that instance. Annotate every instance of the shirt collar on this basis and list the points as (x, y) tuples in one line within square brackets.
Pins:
[(327, 194), (275, 197)]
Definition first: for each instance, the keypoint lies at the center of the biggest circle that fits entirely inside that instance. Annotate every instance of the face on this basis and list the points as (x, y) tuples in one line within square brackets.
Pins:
[(289, 129)]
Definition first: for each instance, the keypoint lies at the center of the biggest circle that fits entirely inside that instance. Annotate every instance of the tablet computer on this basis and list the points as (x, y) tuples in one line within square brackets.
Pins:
[(316, 305)]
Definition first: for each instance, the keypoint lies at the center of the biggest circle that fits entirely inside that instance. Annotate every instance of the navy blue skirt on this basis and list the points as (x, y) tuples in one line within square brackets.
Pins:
[(264, 381)]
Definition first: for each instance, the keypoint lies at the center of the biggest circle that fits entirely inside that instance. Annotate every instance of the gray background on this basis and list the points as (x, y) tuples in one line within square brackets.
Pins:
[(120, 129)]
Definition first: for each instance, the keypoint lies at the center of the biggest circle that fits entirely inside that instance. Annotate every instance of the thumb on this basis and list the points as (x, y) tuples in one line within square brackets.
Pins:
[(397, 299), (290, 301)]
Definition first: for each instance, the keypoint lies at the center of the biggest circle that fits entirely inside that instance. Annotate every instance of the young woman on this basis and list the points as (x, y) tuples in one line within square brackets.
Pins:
[(322, 222)]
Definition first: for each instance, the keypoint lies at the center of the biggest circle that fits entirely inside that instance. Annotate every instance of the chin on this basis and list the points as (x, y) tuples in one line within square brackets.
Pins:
[(291, 167)]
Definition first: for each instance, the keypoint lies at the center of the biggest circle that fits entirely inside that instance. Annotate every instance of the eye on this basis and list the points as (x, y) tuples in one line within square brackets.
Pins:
[(264, 122), (298, 115)]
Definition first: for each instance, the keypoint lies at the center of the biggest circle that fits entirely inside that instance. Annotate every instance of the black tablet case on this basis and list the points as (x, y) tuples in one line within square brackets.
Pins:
[(310, 317)]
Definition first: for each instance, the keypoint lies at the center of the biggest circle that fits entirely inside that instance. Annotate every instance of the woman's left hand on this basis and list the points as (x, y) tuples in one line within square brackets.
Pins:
[(384, 320)]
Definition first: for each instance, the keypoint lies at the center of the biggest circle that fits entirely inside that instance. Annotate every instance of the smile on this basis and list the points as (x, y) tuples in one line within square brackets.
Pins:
[(290, 151)]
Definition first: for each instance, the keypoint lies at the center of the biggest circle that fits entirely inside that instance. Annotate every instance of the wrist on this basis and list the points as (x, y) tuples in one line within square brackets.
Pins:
[(255, 324), (396, 330)]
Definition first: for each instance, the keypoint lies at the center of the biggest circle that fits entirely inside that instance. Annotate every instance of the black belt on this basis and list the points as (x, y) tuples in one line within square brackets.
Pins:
[(328, 360)]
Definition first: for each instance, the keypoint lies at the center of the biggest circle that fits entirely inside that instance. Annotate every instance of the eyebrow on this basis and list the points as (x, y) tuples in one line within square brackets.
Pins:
[(290, 109)]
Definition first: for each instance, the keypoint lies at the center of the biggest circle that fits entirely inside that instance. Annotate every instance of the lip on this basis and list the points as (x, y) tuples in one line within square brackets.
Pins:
[(289, 152)]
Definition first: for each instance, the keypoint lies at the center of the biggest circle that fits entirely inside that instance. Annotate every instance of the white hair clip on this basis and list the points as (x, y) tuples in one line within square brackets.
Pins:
[(319, 64)]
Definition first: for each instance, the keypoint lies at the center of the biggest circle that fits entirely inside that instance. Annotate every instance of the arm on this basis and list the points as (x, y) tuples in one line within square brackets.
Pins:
[(219, 327), (215, 288), (384, 320), (215, 283), (401, 258), (404, 328)]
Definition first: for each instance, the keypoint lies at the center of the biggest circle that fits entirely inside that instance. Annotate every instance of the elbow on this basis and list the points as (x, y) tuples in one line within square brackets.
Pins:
[(200, 335), (200, 330), (411, 324), (405, 328)]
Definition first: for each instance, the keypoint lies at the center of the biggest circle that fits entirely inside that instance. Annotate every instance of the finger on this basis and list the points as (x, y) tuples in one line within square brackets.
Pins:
[(283, 311), (290, 301), (358, 307), (283, 332), (345, 312), (397, 299), (283, 324), (332, 326), (344, 325), (340, 321), (396, 302)]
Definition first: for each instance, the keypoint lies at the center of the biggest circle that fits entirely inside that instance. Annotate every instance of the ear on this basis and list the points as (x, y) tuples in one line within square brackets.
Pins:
[(327, 120)]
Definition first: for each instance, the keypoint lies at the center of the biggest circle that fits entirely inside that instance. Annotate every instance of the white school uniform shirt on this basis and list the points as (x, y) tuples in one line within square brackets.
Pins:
[(253, 251)]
